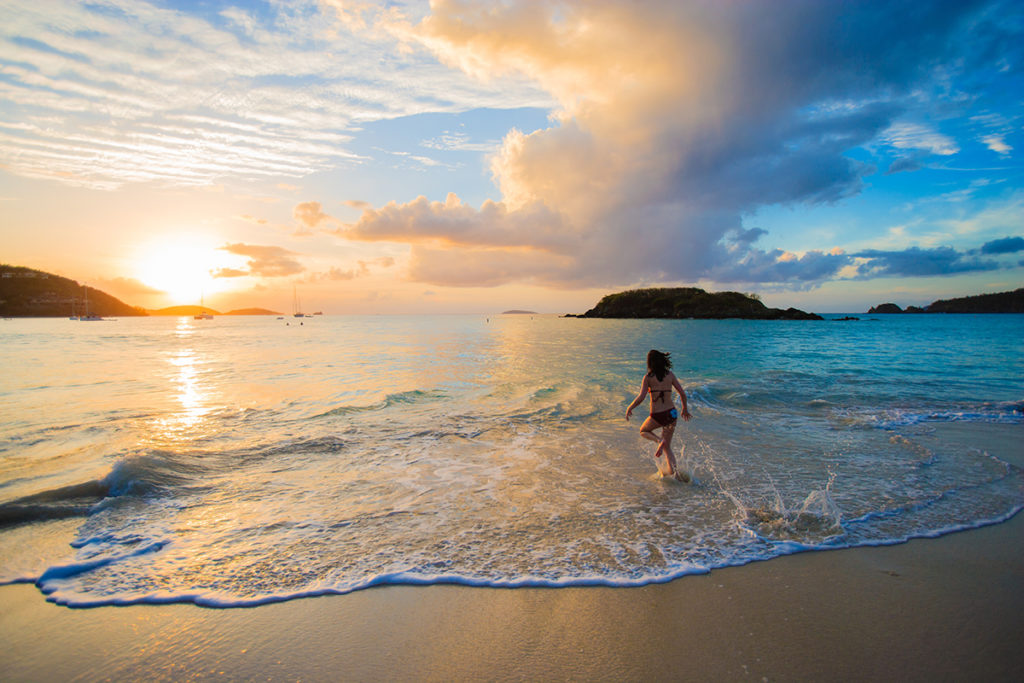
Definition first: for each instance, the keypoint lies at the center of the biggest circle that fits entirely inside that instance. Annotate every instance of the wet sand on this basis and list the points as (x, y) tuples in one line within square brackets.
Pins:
[(950, 608)]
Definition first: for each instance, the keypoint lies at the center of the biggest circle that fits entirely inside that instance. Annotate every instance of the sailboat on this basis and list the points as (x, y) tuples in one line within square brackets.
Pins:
[(87, 316), (202, 314), (296, 313)]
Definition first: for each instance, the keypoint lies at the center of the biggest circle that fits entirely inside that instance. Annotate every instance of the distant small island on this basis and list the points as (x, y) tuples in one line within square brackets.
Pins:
[(689, 302), (182, 311), (1001, 302), (518, 312), (252, 311), (196, 310)]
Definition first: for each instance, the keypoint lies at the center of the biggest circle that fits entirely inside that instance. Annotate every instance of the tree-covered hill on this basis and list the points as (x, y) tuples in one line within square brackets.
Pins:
[(1001, 302), (25, 292), (689, 302)]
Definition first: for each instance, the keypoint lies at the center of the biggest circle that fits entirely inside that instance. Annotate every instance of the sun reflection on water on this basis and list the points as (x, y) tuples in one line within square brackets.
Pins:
[(184, 422)]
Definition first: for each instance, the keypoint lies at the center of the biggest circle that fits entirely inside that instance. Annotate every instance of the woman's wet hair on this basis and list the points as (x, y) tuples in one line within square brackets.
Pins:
[(659, 363)]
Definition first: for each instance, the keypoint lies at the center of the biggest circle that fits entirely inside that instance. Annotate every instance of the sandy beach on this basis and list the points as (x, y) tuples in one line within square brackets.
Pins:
[(950, 608)]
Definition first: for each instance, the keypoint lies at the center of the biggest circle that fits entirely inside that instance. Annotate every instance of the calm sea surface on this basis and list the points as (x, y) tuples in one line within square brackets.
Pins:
[(243, 460)]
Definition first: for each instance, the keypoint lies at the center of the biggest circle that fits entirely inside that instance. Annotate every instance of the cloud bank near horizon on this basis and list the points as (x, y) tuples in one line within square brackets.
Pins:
[(678, 120)]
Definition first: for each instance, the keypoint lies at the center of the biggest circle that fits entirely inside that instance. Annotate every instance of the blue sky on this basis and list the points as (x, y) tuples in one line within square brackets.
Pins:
[(466, 156)]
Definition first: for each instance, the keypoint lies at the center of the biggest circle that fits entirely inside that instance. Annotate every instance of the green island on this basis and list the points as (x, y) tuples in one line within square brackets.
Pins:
[(1000, 302), (689, 302)]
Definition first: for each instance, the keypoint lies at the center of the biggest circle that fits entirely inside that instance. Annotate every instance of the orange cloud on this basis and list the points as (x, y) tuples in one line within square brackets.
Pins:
[(454, 223), (310, 215), (264, 261)]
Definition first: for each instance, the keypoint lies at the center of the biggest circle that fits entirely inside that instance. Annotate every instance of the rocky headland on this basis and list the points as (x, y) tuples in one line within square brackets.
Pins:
[(1001, 302), (28, 293)]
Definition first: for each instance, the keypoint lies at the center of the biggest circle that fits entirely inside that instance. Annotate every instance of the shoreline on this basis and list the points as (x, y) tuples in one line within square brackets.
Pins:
[(949, 608)]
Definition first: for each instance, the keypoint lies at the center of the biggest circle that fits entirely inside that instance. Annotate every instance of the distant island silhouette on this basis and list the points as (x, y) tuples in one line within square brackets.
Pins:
[(253, 311), (1001, 302), (29, 293), (195, 310), (689, 302)]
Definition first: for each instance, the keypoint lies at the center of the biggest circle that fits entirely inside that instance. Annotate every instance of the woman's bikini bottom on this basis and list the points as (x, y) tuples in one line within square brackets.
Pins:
[(665, 417)]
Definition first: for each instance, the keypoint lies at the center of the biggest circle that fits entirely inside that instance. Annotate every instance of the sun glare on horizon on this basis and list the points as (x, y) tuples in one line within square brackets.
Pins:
[(183, 269)]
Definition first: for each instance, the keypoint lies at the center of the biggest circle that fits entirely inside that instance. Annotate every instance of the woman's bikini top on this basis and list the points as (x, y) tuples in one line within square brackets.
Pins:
[(662, 392)]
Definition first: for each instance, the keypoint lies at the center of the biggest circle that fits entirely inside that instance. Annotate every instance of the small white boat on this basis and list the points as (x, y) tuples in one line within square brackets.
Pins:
[(87, 317), (203, 314)]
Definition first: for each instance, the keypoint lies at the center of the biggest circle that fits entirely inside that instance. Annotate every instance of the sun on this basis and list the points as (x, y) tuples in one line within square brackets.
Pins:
[(183, 268)]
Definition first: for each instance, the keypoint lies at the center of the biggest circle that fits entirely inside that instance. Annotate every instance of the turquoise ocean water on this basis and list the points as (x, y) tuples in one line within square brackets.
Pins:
[(238, 461)]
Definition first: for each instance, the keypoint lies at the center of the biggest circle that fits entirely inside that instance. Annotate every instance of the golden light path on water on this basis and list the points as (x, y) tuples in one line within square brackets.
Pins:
[(183, 379)]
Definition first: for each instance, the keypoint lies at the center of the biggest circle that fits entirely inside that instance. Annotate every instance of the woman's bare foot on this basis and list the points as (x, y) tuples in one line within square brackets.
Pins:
[(661, 448), (682, 476)]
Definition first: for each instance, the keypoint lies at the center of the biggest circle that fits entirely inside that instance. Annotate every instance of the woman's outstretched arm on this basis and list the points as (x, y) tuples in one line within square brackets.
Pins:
[(639, 399)]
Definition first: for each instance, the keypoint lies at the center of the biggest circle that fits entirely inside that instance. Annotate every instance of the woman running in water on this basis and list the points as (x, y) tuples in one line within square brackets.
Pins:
[(659, 381)]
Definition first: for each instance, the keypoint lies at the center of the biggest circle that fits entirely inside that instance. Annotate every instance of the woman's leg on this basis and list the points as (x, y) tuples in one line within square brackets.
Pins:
[(666, 443), (647, 430)]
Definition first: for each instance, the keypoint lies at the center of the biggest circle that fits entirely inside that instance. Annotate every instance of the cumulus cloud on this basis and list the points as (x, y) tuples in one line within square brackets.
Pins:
[(454, 223), (264, 261), (918, 262), (310, 215), (781, 266), (675, 120)]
